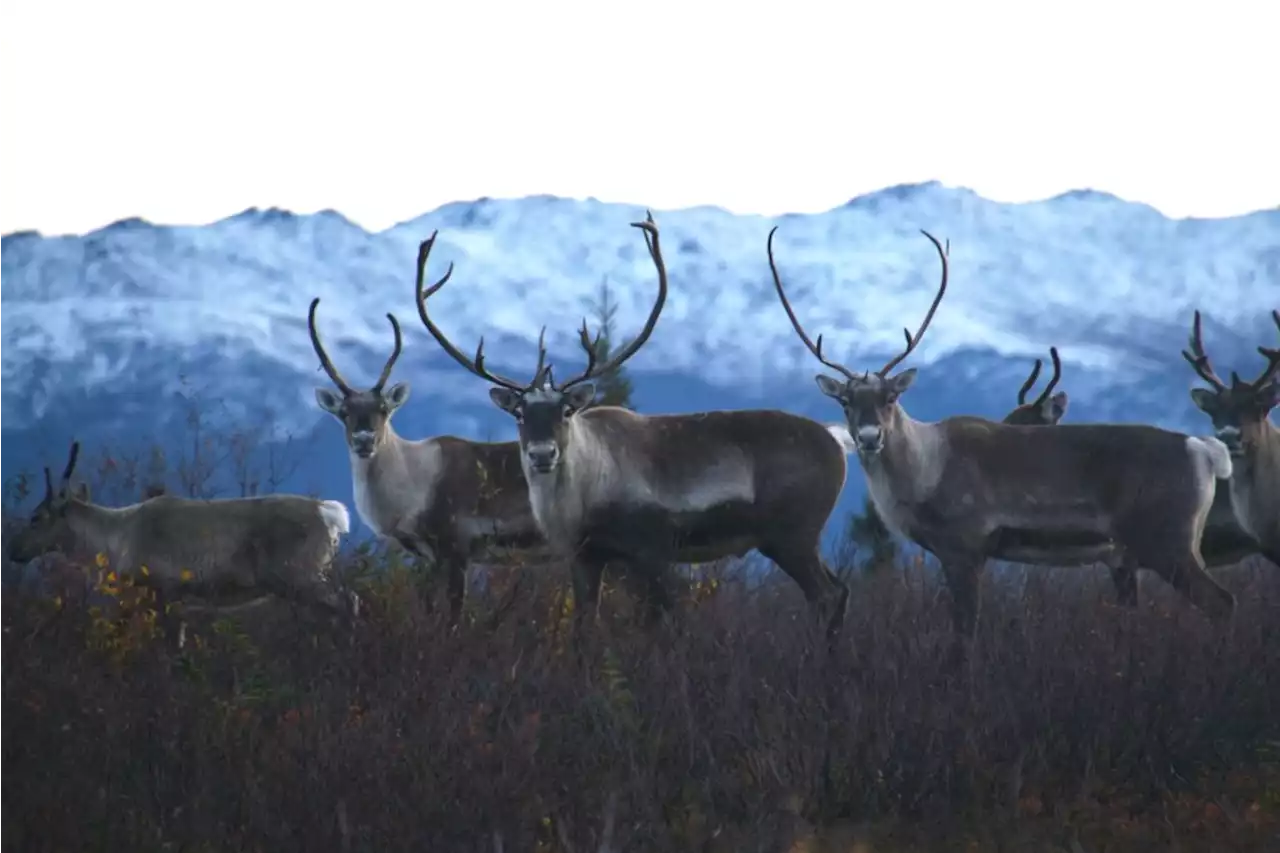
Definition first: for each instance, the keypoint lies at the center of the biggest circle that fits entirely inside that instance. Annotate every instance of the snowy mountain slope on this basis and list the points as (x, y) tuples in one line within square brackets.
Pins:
[(102, 332)]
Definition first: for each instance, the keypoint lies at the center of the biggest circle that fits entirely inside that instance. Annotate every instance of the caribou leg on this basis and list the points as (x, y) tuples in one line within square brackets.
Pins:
[(962, 571), (455, 579), (650, 580), (819, 584), (586, 573), (1124, 575)]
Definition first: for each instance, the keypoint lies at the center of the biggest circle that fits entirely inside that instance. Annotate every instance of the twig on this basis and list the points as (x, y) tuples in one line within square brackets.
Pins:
[(606, 832)]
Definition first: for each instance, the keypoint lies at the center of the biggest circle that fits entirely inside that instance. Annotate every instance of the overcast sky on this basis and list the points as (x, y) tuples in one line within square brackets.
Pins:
[(185, 112)]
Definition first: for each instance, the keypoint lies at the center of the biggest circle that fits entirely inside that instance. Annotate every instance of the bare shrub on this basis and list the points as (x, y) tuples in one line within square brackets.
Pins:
[(732, 727)]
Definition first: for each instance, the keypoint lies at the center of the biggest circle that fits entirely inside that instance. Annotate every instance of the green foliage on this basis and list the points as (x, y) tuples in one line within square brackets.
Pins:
[(613, 388), (871, 538)]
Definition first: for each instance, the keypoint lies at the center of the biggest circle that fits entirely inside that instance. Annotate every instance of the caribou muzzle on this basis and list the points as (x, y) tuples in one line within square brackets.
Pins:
[(1230, 436), (363, 444), (869, 439), (543, 457)]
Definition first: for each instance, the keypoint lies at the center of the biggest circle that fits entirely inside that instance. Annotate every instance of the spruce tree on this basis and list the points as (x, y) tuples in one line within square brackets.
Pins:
[(871, 536), (613, 388)]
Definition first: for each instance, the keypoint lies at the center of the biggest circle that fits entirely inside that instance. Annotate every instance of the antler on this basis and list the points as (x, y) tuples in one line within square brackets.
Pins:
[(1272, 355), (1031, 380), (475, 365), (1035, 374), (395, 354), (814, 347), (928, 318), (327, 364), (650, 229), (66, 472), (1198, 360)]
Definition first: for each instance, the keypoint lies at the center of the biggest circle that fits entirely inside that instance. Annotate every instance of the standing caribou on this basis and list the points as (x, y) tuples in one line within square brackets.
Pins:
[(1223, 542), (223, 551), (1046, 409), (1240, 419), (956, 485), (607, 484), (442, 497)]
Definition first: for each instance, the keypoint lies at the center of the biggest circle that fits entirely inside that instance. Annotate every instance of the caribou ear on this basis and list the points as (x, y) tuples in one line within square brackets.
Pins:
[(397, 394), (1205, 400), (579, 397), (1268, 395), (329, 401), (1055, 407), (506, 399), (830, 387), (899, 384)]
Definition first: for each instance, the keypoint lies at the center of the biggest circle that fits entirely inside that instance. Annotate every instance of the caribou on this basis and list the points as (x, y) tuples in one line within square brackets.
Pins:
[(1047, 408), (1239, 412), (955, 486), (610, 485), (443, 498), (1223, 542), (230, 552)]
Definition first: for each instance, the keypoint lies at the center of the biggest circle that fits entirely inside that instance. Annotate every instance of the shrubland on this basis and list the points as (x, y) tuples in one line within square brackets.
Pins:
[(1076, 725)]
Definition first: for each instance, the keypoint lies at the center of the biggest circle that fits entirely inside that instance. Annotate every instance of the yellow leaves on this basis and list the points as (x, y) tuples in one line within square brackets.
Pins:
[(186, 575), (144, 571), (101, 560)]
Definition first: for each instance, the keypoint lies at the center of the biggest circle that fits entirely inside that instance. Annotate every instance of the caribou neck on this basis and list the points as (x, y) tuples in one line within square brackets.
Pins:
[(397, 484), (101, 530), (583, 478), (1255, 483), (910, 464)]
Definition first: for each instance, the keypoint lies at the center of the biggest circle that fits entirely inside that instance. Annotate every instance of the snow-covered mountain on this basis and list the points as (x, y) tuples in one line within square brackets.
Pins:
[(105, 334)]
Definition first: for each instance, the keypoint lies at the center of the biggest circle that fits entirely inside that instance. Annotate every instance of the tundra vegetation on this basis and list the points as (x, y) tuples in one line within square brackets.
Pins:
[(1080, 723)]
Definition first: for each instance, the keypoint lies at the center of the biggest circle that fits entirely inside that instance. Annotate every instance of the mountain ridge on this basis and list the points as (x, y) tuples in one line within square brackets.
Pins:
[(100, 329)]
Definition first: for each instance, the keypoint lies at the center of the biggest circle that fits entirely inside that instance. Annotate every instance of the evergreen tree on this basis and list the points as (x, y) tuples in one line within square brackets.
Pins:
[(872, 538), (613, 388)]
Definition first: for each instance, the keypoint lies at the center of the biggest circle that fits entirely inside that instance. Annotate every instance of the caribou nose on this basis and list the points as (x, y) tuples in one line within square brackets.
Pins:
[(542, 457), (869, 437), (1230, 436), (362, 443)]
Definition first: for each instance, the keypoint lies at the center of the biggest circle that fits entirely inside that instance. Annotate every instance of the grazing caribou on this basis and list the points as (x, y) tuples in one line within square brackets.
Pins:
[(607, 484), (956, 485), (441, 497), (1240, 419), (229, 551)]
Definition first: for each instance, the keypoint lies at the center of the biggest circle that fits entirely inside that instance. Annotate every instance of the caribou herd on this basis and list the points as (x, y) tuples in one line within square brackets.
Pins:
[(598, 485)]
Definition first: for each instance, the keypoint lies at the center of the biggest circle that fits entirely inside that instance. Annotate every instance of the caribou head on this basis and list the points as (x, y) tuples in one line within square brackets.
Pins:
[(1239, 411), (364, 414), (49, 528), (544, 410), (869, 400), (1048, 408)]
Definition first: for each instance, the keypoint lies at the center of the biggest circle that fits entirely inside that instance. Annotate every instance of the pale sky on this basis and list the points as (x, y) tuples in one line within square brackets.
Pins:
[(186, 112)]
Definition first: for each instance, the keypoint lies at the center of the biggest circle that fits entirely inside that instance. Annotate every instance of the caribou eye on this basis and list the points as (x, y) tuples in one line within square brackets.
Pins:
[(566, 410)]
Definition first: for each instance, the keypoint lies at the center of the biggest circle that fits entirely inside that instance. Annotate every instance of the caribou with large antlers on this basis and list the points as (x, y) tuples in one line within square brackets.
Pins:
[(956, 485), (228, 552), (1240, 419), (607, 484), (445, 498)]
